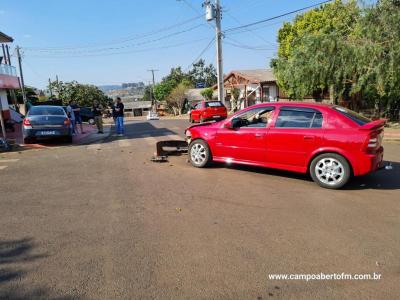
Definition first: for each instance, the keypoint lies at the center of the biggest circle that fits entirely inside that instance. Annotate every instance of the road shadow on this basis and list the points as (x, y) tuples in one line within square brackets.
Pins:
[(15, 257), (140, 130), (379, 180)]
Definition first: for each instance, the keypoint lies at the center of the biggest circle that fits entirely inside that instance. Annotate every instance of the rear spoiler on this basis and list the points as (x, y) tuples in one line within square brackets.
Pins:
[(374, 125)]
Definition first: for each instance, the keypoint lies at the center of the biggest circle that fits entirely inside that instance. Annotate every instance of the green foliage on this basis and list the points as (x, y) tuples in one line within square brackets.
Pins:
[(207, 93), (176, 99), (201, 73), (168, 83), (83, 94), (345, 49)]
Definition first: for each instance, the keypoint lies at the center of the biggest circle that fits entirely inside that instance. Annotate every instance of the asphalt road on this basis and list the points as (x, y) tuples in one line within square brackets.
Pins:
[(102, 222)]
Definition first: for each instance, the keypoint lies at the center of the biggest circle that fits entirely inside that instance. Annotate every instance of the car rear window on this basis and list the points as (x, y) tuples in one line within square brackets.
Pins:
[(352, 115), (46, 111), (214, 104), (299, 118)]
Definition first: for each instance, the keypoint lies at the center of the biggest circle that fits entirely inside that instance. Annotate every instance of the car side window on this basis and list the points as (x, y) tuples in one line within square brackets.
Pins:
[(257, 117), (299, 118)]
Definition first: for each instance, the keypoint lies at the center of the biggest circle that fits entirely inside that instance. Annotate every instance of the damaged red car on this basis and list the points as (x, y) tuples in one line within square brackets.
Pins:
[(329, 142)]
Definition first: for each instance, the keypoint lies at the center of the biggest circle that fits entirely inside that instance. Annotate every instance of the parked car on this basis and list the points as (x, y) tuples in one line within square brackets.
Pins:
[(329, 142), (208, 110), (86, 114), (46, 122)]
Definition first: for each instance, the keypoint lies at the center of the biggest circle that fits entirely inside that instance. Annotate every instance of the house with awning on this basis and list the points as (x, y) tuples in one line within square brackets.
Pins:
[(255, 86), (9, 80)]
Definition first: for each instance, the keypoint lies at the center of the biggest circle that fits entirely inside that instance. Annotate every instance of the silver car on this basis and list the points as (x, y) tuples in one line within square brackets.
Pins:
[(44, 122)]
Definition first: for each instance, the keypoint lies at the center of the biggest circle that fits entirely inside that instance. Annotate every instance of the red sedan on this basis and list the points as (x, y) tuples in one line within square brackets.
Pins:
[(208, 110), (329, 142)]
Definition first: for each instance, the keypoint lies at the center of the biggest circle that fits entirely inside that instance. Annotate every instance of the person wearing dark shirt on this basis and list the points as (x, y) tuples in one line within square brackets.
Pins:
[(77, 112), (119, 117), (97, 110)]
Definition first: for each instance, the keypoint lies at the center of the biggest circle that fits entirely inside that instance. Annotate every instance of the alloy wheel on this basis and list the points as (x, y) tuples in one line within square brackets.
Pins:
[(329, 171), (198, 154)]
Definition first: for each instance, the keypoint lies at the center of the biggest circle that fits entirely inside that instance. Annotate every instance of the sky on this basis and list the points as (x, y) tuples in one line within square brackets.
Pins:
[(111, 42)]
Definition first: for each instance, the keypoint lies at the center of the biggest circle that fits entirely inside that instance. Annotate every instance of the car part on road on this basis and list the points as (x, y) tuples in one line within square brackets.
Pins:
[(175, 147), (199, 153)]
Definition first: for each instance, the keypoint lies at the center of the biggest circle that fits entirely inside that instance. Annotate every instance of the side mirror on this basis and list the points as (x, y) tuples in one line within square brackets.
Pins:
[(234, 123), (228, 125)]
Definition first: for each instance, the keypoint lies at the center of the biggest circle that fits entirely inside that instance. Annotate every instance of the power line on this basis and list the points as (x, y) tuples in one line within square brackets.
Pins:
[(124, 52), (276, 17), (122, 47), (201, 54), (243, 46), (249, 30), (118, 41)]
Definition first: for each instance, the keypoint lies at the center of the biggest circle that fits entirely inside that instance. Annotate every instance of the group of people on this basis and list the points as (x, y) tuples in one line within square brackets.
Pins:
[(73, 111)]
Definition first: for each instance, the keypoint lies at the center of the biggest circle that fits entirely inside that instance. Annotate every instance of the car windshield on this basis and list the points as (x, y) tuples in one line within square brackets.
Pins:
[(46, 111), (356, 117), (214, 104)]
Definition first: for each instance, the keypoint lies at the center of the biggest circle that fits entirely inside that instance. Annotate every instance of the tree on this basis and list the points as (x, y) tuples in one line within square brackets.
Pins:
[(168, 83), (312, 55), (202, 73), (207, 93), (235, 93), (83, 94), (352, 52), (176, 99)]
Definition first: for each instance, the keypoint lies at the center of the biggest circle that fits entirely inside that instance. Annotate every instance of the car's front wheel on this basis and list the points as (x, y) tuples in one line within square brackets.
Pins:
[(330, 170), (199, 154)]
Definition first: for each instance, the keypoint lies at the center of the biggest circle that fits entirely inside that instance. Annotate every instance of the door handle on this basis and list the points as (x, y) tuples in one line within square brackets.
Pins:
[(259, 135), (309, 137)]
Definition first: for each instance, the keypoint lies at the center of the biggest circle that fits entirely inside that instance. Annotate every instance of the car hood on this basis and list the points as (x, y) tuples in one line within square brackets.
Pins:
[(208, 124)]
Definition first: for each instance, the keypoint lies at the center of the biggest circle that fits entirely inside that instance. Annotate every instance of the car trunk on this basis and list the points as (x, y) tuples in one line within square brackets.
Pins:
[(47, 121)]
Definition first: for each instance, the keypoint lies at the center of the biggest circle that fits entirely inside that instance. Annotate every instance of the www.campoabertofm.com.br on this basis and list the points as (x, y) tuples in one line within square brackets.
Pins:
[(325, 276)]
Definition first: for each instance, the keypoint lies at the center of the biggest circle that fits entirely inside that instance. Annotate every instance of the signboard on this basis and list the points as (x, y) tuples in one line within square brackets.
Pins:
[(9, 82), (200, 85)]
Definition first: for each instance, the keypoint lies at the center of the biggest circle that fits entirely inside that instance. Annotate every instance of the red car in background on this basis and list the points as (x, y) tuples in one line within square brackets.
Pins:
[(208, 110), (329, 142)]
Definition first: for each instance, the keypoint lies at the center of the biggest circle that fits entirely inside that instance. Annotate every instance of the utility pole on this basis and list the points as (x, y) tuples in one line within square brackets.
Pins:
[(153, 99), (215, 12), (21, 74)]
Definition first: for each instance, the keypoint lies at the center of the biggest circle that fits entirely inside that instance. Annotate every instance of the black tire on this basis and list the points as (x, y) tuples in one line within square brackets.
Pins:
[(68, 139), (204, 156), (28, 140), (333, 170)]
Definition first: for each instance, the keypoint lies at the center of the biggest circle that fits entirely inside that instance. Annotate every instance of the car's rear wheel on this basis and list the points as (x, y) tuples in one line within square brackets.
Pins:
[(330, 170), (28, 140), (199, 154), (68, 139)]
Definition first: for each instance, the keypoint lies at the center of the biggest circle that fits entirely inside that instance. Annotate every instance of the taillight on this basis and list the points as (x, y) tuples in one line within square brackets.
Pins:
[(27, 123), (373, 142), (67, 122)]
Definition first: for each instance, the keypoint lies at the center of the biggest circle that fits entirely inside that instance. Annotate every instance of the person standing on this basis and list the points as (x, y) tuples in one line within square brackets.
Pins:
[(98, 116), (71, 116), (119, 114), (77, 112)]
